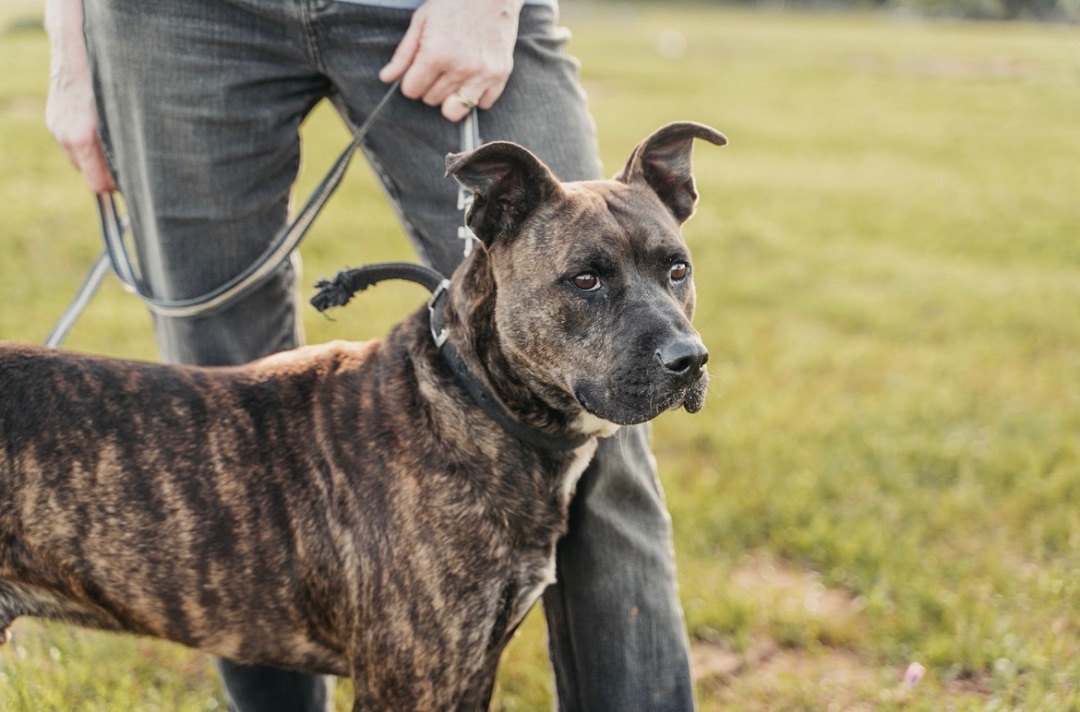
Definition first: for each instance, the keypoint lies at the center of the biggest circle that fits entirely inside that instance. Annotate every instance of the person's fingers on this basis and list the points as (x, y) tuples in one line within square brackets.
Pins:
[(78, 139), (461, 101), (441, 89), (492, 93), (404, 54), (420, 79), (435, 66), (95, 170)]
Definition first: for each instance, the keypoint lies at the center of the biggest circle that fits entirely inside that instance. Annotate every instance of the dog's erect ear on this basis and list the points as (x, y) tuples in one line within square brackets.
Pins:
[(507, 182), (663, 162)]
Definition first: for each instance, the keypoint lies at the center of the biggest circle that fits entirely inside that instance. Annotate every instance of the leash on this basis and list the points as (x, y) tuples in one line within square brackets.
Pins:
[(288, 239), (340, 290), (279, 250), (82, 297)]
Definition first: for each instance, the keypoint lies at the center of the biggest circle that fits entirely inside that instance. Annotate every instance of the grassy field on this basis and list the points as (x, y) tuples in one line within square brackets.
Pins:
[(888, 269)]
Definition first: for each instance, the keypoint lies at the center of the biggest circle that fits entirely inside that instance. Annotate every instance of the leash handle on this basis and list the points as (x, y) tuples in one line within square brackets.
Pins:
[(287, 239), (116, 255)]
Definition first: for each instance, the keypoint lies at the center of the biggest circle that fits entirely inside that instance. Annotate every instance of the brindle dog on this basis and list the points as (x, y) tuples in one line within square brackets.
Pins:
[(348, 508)]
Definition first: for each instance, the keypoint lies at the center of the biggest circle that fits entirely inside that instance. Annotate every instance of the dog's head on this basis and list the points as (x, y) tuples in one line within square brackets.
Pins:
[(593, 283)]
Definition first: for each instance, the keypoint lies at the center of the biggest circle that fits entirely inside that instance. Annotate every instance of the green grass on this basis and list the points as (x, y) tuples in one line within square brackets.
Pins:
[(888, 271)]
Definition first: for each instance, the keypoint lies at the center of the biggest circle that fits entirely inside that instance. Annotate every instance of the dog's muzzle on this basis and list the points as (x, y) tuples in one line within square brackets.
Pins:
[(675, 378)]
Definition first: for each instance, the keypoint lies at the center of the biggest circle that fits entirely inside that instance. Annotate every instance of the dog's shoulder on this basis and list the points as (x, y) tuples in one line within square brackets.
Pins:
[(27, 362), (333, 355), (18, 352)]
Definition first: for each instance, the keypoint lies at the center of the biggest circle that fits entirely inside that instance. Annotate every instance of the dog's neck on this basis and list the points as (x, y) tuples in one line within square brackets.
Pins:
[(472, 333), (473, 353)]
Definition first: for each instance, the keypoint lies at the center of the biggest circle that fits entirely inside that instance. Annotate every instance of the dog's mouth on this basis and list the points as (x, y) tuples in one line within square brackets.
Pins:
[(633, 405)]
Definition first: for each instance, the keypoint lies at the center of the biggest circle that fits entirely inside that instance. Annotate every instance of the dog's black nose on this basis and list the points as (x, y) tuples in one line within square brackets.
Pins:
[(681, 357)]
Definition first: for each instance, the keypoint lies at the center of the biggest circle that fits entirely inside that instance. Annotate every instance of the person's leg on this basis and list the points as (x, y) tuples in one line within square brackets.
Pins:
[(201, 102), (258, 688), (615, 625), (200, 105)]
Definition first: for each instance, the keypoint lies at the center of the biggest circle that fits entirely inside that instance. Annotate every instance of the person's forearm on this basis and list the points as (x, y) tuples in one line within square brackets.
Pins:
[(64, 25)]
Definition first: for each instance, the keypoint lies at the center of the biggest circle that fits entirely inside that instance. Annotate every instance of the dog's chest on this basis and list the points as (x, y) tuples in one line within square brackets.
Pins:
[(582, 457), (540, 568)]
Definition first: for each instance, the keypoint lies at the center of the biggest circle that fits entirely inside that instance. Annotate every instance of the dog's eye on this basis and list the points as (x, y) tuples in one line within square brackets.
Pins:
[(587, 281), (679, 271)]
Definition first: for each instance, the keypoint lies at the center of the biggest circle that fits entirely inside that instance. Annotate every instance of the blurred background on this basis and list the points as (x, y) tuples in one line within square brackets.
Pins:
[(879, 507)]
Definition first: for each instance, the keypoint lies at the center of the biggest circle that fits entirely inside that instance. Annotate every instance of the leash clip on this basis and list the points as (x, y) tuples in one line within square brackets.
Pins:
[(442, 334), (470, 141), (464, 233)]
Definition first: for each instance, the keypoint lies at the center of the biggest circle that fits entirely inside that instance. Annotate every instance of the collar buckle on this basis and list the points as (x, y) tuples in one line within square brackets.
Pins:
[(439, 332)]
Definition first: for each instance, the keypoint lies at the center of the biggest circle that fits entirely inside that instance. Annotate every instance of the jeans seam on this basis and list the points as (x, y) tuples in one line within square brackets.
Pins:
[(308, 9)]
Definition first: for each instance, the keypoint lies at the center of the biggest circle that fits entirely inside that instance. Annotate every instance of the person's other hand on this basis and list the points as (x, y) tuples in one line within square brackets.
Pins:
[(70, 110), (456, 54)]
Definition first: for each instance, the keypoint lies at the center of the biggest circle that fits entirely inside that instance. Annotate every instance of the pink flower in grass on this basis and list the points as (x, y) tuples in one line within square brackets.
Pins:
[(913, 674)]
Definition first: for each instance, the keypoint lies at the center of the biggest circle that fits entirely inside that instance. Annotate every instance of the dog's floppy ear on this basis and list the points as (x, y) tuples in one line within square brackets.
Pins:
[(663, 162), (507, 182)]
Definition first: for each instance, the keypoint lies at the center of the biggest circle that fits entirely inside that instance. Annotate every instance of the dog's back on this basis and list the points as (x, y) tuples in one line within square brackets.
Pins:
[(136, 497)]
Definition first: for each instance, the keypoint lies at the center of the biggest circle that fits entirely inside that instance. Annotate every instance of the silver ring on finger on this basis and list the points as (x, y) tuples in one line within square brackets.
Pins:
[(466, 101)]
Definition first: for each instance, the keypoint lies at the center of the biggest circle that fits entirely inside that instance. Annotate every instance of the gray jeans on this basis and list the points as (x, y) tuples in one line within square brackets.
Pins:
[(201, 101)]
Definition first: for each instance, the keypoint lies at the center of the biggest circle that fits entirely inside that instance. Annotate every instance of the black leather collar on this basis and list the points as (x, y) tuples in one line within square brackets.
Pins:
[(338, 292)]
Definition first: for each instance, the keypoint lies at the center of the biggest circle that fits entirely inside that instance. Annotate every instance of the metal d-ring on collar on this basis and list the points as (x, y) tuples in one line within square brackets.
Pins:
[(338, 291)]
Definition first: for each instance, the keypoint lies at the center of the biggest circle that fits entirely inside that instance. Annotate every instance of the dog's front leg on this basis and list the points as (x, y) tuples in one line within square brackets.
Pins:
[(477, 696)]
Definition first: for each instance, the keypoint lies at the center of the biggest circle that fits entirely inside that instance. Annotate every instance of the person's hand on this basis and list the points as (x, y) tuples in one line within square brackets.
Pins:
[(457, 54), (70, 110)]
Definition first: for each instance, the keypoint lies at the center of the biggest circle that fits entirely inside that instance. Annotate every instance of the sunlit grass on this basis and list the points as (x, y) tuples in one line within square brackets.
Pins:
[(888, 268)]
